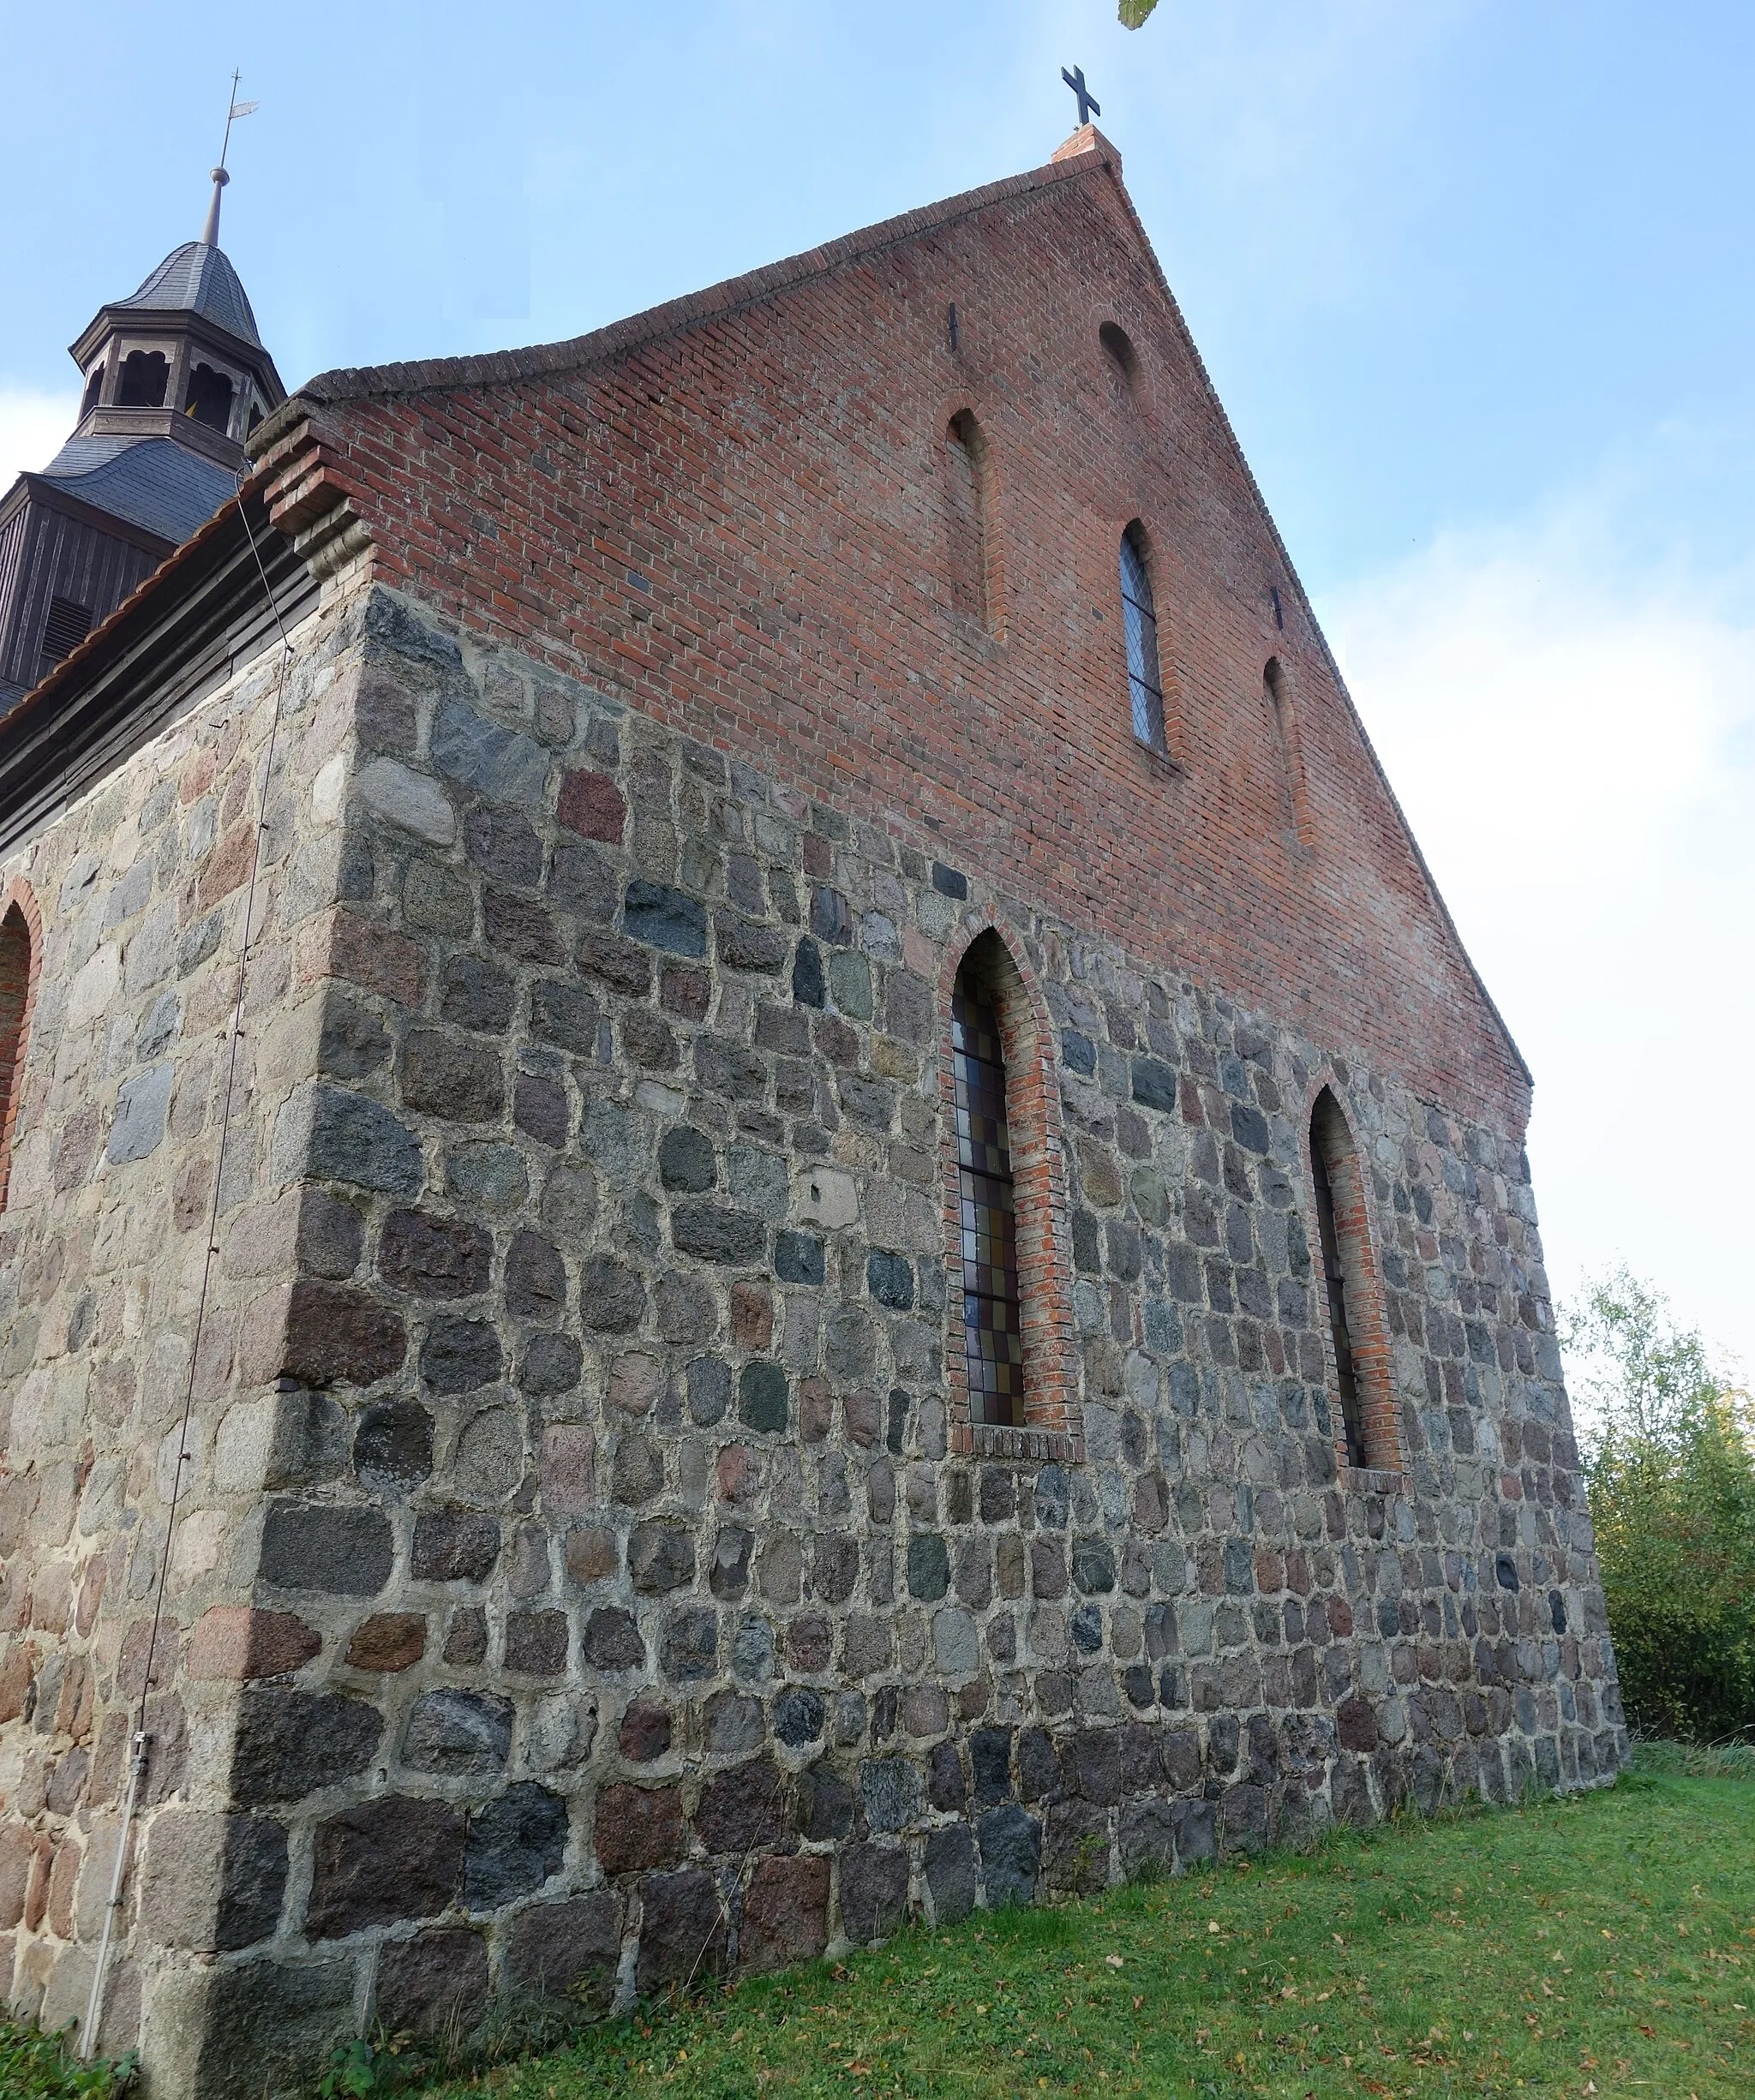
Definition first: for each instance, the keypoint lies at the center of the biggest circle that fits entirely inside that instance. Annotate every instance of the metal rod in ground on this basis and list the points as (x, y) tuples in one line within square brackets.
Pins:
[(94, 2008)]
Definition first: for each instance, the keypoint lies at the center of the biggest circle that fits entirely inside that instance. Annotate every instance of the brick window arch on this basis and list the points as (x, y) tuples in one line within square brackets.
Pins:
[(1138, 620), (20, 957), (974, 585), (1350, 1297), (1007, 1348)]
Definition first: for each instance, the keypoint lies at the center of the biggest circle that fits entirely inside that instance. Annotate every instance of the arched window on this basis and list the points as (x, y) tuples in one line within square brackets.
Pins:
[(144, 374), (94, 387), (993, 1324), (1010, 1353), (1283, 713), (1118, 348), (1140, 625), (966, 475), (209, 397), (1358, 1354), (17, 970)]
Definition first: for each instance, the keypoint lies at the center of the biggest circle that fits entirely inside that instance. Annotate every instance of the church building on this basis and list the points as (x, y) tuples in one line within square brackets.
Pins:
[(748, 1185)]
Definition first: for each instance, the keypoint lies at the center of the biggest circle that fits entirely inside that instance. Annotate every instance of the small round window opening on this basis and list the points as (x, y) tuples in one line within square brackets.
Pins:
[(1118, 349)]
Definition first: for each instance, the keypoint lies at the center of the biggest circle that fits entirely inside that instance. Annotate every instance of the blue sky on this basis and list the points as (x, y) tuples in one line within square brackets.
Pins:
[(1474, 278)]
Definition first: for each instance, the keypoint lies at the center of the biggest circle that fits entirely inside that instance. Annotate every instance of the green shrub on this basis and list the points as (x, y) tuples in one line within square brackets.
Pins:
[(35, 2066), (1669, 1463)]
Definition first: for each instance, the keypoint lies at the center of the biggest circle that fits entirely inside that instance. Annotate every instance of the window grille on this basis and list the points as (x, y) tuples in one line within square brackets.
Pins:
[(992, 1316), (1140, 624)]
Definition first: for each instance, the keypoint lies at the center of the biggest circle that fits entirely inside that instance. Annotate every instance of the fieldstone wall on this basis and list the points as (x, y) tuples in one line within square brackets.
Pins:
[(629, 1617), (597, 1598), (139, 888)]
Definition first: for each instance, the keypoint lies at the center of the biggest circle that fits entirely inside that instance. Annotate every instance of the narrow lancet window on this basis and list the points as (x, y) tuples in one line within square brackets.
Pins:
[(1335, 1282), (965, 467), (1140, 625), (993, 1336), (1355, 1324), (15, 960), (1277, 690)]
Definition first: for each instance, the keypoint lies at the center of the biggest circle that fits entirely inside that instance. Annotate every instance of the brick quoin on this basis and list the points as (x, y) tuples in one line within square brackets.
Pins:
[(735, 511)]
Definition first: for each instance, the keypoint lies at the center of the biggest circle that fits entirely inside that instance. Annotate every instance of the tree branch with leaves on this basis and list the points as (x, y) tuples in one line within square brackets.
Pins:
[(1667, 1446)]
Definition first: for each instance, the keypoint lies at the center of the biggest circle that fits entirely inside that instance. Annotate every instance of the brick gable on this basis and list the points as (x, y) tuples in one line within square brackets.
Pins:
[(735, 512)]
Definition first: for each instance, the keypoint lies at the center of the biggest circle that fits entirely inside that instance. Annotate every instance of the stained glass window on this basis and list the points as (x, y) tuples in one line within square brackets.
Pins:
[(1140, 624), (992, 1323)]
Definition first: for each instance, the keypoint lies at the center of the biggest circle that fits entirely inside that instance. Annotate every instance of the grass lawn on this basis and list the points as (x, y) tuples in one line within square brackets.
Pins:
[(1602, 1944)]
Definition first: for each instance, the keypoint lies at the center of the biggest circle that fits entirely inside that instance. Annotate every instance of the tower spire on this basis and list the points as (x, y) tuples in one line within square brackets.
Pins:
[(234, 109), (210, 232)]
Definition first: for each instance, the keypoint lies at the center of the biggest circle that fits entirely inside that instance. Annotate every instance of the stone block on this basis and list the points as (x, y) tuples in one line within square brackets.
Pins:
[(447, 1076), (1146, 1834), (665, 919), (393, 1447), (644, 1734), (535, 1643), (324, 1547), (785, 1913), (568, 1950), (660, 1556), (459, 1734), (873, 1890), (428, 1256), (638, 1828), (211, 1882), (716, 1232), (454, 1545), (683, 1931), (388, 1641), (288, 1744), (1076, 1854), (612, 1295), (612, 1641), (240, 1642), (591, 805), (891, 1789), (515, 1843), (338, 1136), (950, 1873), (387, 1859), (1196, 1832), (742, 1809), (460, 1355), (763, 1404), (335, 1334), (1011, 1854), (434, 1984), (262, 2026)]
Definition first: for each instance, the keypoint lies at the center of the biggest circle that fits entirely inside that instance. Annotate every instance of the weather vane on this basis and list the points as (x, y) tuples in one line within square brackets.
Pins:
[(234, 109), (1089, 106)]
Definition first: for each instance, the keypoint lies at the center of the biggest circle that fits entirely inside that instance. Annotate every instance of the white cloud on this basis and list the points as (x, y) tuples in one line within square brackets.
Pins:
[(1571, 727), (32, 429)]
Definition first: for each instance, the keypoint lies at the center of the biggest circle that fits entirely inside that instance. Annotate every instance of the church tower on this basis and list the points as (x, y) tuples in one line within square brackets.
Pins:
[(176, 377)]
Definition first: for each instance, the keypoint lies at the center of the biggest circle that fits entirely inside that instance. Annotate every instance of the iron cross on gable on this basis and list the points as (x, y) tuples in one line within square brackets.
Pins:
[(1089, 106)]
